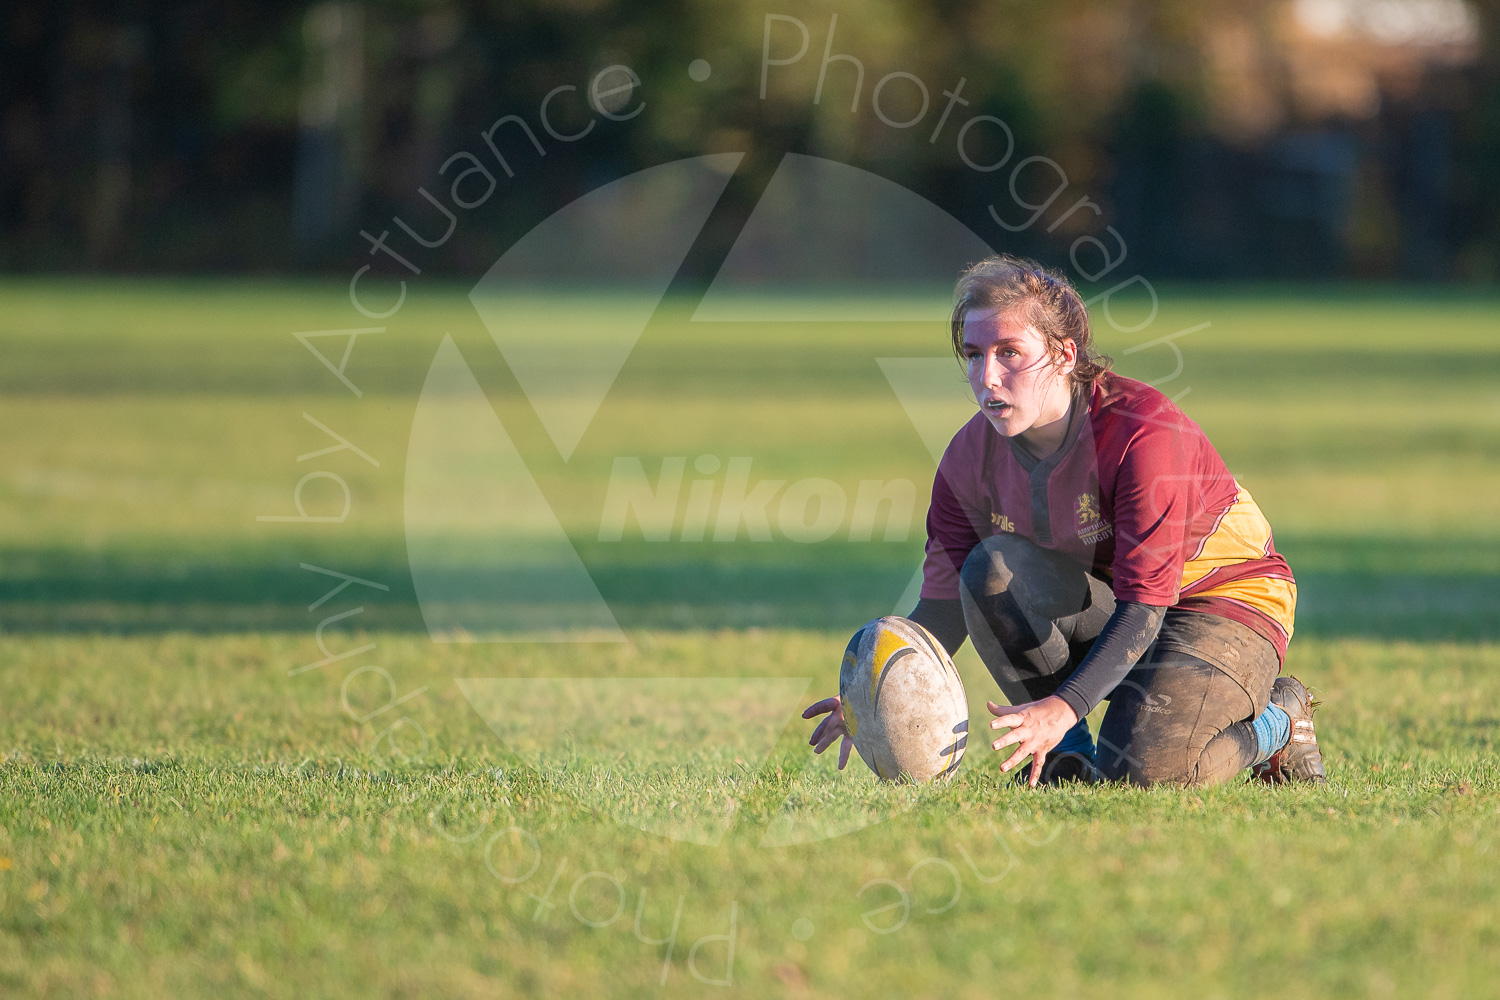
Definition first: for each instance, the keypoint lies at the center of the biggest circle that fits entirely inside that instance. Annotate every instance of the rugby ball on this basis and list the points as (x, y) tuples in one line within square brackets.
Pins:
[(904, 702)]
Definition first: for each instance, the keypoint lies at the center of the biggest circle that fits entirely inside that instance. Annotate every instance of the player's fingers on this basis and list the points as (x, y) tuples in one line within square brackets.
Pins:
[(817, 733), (1007, 721), (826, 705), (1022, 752), (1037, 759), (844, 749), (998, 709), (1017, 735), (827, 741)]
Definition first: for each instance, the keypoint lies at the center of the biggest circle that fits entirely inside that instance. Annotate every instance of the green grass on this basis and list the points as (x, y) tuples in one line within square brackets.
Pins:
[(180, 816)]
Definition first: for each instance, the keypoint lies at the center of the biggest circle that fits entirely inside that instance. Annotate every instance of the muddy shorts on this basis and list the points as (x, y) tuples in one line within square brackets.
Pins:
[(1180, 716)]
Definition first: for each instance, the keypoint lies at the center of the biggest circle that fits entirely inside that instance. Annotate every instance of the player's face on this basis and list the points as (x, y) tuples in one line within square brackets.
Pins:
[(1018, 384)]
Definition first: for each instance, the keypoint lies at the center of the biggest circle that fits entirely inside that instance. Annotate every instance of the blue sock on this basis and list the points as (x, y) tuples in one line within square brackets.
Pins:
[(1077, 740), (1272, 730)]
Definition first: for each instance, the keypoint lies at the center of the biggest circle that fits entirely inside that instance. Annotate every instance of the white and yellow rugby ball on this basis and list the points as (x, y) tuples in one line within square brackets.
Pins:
[(904, 702)]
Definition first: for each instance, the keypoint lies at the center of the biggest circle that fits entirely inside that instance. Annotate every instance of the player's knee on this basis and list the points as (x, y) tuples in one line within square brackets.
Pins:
[(1148, 776), (983, 574), (1149, 768), (994, 563)]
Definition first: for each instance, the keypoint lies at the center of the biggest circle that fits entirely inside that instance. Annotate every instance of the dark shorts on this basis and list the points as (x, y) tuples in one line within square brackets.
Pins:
[(1180, 716)]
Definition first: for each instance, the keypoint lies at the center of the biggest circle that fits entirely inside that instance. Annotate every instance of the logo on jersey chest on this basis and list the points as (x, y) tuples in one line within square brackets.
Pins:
[(1091, 525), (1002, 522)]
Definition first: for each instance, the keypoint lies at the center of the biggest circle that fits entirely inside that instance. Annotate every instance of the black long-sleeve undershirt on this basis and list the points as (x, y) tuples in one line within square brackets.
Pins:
[(1124, 639), (944, 619)]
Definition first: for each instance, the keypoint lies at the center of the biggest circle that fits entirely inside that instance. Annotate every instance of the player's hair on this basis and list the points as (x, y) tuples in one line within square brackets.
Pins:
[(1049, 302)]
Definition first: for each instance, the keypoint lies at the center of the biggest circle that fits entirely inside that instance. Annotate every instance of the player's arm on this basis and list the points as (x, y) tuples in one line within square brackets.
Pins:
[(1121, 643), (944, 618), (951, 536)]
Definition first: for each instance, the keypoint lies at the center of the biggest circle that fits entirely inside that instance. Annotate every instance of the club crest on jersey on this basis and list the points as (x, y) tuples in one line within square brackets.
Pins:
[(1091, 525), (1002, 522)]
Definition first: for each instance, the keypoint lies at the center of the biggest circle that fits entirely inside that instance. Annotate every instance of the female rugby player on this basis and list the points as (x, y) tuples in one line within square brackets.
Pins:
[(1088, 539)]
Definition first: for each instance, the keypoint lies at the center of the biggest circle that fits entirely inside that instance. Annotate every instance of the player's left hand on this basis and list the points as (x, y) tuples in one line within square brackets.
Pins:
[(1036, 727)]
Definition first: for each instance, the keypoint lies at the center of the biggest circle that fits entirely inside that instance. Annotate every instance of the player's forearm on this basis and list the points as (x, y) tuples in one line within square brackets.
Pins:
[(944, 619), (1126, 636)]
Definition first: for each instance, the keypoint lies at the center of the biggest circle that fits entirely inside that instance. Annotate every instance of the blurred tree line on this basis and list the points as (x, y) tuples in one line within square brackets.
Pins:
[(1224, 139)]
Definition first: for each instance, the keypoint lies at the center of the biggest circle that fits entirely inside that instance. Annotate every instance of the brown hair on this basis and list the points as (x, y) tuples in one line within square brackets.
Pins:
[(1050, 303)]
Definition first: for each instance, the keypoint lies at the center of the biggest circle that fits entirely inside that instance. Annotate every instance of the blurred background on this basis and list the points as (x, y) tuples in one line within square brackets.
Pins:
[(1227, 140), (1310, 184)]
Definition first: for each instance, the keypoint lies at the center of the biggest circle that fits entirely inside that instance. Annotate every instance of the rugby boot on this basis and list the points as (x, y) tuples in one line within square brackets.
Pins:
[(1300, 759), (1059, 768)]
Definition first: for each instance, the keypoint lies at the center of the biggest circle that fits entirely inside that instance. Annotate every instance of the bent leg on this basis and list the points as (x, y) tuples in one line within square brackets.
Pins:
[(1184, 715), (1032, 614), (1178, 720)]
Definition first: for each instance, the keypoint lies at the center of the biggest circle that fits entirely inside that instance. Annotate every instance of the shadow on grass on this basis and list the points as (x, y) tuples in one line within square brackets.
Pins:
[(1364, 588)]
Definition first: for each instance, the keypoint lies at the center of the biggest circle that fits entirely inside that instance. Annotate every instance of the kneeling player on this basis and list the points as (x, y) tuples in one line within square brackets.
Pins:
[(1088, 538)]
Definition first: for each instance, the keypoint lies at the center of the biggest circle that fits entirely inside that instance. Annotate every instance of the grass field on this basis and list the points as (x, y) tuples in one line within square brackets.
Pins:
[(181, 815)]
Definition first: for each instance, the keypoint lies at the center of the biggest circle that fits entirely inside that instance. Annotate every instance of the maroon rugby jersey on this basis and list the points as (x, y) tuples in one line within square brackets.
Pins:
[(1136, 493)]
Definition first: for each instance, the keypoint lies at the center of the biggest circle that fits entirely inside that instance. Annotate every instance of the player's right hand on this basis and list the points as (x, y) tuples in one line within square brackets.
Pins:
[(830, 728)]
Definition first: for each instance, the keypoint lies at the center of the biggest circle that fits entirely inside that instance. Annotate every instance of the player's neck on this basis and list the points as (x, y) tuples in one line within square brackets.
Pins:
[(1050, 431)]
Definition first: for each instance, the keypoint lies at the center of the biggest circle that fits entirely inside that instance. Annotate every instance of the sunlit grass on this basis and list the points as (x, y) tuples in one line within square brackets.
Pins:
[(181, 815)]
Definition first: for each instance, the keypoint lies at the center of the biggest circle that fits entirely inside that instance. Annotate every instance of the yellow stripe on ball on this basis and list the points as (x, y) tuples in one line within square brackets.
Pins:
[(887, 644)]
